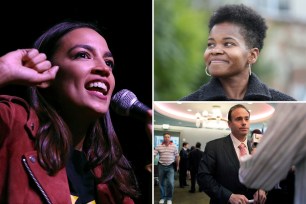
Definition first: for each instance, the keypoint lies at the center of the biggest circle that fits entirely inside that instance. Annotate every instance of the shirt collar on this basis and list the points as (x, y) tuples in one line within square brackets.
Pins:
[(170, 143), (237, 142)]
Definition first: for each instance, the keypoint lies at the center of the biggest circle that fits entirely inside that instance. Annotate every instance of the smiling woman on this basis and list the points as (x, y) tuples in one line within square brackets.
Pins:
[(85, 80), (59, 141), (126, 38), (236, 36)]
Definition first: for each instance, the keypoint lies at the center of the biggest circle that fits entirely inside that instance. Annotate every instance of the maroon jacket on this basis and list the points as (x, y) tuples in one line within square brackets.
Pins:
[(22, 179)]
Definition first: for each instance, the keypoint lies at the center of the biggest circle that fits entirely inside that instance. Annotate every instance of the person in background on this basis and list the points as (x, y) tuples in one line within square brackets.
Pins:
[(218, 169), (256, 136), (168, 155), (283, 191), (58, 143), (183, 165), (195, 157), (236, 37), (280, 153), (188, 170)]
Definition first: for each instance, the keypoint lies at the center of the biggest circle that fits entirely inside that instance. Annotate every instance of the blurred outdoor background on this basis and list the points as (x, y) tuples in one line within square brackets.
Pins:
[(180, 39)]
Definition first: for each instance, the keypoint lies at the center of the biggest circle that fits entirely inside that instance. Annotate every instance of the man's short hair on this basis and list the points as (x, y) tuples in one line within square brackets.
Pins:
[(166, 133), (229, 116)]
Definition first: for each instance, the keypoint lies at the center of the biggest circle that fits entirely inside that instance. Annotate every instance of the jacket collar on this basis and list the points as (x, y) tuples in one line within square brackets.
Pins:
[(213, 90)]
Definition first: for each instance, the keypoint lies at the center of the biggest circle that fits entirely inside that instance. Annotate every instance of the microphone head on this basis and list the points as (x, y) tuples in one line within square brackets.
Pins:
[(122, 102), (257, 131), (256, 136)]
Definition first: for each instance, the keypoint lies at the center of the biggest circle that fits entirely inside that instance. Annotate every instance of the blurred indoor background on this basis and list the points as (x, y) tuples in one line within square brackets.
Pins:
[(203, 121)]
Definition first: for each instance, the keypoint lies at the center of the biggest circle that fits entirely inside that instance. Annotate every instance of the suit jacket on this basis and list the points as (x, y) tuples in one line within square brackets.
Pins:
[(183, 164), (218, 171), (195, 157)]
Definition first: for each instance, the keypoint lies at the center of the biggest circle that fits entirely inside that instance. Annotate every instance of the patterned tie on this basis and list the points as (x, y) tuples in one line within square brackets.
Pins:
[(243, 150)]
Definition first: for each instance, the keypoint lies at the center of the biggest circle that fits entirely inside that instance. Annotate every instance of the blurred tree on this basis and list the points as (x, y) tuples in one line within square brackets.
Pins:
[(180, 35)]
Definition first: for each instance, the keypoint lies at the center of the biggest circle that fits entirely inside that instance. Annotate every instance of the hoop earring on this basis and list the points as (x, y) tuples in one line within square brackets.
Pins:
[(250, 69), (206, 71)]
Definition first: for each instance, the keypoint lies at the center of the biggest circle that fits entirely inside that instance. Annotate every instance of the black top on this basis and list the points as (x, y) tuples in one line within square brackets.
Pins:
[(81, 180), (256, 91)]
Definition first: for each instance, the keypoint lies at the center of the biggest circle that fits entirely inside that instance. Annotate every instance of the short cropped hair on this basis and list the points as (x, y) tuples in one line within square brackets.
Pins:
[(229, 116), (253, 26), (166, 133)]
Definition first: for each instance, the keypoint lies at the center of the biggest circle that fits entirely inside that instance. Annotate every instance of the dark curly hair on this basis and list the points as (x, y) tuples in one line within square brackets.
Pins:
[(253, 26)]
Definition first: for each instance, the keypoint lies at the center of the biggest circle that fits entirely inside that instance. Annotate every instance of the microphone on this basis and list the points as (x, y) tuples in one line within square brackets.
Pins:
[(256, 137), (125, 103)]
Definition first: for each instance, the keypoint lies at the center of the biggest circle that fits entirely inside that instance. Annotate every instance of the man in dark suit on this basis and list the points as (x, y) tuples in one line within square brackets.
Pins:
[(183, 165), (195, 157), (219, 167)]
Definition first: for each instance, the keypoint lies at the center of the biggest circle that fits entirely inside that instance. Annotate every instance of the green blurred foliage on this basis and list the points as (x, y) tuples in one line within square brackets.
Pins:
[(180, 36)]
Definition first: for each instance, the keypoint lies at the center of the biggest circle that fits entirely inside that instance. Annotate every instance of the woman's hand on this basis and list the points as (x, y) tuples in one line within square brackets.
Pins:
[(149, 124), (26, 67)]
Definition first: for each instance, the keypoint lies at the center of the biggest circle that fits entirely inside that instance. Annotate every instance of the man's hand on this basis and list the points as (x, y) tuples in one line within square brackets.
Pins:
[(260, 197), (148, 167), (238, 199)]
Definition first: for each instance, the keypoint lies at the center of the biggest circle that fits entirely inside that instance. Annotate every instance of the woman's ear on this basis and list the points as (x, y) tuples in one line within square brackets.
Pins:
[(253, 55)]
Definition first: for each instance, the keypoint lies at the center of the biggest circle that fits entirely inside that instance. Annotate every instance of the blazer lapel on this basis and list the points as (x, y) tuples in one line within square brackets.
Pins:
[(230, 151)]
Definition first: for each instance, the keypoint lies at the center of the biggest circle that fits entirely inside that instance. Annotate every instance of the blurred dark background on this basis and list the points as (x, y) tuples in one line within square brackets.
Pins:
[(128, 26)]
